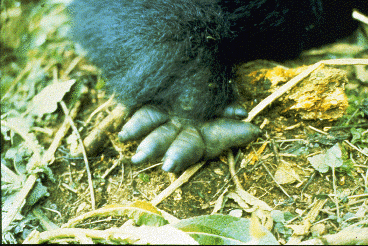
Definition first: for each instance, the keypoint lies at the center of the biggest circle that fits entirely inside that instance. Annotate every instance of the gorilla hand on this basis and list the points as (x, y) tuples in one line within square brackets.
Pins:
[(183, 143)]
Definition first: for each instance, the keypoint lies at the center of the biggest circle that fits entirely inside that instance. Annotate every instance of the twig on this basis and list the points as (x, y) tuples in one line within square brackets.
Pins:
[(47, 224), (309, 181), (54, 211), (110, 124), (282, 141), (116, 163), (71, 67), (101, 107), (17, 79), (121, 160), (275, 151), (49, 155), (349, 204), (27, 187), (335, 193), (218, 203), (147, 168), (360, 17), (294, 81), (177, 183), (352, 116), (303, 229), (346, 141), (246, 196), (28, 140), (269, 173), (335, 128), (354, 147), (235, 174), (362, 222), (344, 237), (69, 188), (231, 160), (75, 130), (19, 201), (317, 130), (223, 188)]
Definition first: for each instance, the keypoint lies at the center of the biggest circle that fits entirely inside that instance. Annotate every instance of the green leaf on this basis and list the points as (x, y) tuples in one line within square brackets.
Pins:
[(144, 177), (161, 235), (357, 135), (332, 158), (225, 229), (36, 194), (46, 101), (278, 216), (143, 213)]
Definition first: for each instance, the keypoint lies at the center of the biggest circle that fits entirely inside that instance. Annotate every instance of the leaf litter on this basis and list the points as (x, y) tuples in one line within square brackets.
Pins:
[(312, 179)]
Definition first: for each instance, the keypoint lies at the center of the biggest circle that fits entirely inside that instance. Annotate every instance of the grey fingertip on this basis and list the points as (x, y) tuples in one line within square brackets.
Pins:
[(186, 150), (241, 113), (222, 134), (169, 165), (123, 135), (235, 111), (139, 157)]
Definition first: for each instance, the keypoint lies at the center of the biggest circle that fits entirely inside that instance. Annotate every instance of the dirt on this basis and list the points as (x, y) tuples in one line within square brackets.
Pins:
[(197, 197)]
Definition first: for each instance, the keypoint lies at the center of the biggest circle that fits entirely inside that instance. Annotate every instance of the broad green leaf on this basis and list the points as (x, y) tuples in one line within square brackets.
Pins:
[(143, 213), (332, 158), (161, 235), (46, 101), (225, 229)]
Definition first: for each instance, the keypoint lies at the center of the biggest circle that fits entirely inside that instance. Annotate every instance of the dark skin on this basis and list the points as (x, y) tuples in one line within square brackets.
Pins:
[(171, 61), (183, 144)]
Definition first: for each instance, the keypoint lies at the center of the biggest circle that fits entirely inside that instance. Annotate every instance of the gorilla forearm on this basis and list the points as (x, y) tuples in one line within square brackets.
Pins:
[(178, 55)]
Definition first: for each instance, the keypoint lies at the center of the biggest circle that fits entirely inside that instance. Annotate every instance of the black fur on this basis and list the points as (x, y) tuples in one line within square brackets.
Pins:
[(179, 53), (178, 56)]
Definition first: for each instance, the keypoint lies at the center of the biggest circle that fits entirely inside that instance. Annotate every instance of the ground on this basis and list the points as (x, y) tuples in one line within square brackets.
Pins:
[(291, 142)]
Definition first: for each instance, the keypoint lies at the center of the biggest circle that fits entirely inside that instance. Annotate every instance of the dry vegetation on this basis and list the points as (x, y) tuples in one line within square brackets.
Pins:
[(305, 179)]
